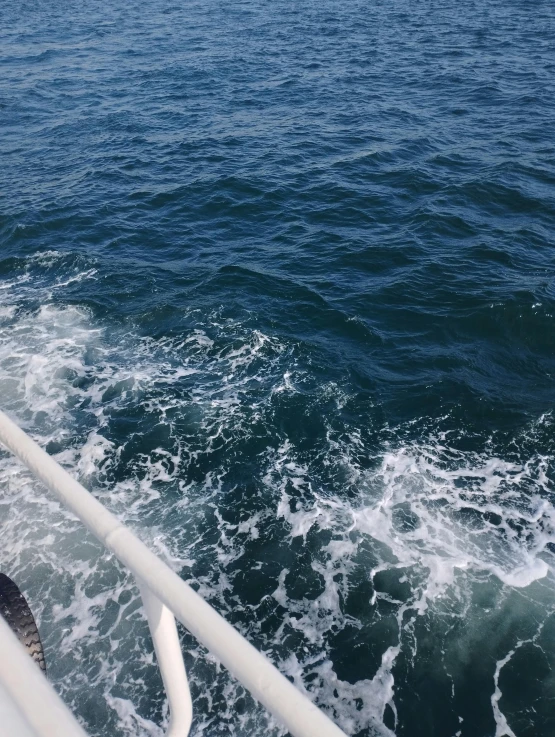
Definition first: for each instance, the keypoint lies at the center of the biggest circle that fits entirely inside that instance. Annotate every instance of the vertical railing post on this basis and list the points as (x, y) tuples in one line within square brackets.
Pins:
[(170, 661)]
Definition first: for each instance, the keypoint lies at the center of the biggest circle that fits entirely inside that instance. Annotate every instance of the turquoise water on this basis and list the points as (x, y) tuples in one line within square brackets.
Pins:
[(277, 284)]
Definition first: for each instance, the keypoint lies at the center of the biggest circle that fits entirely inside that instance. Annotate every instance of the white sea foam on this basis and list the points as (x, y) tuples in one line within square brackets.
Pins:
[(61, 377), (431, 518), (432, 541)]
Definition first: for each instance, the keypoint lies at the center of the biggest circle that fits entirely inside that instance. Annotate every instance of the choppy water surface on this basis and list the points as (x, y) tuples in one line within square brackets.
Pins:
[(277, 284)]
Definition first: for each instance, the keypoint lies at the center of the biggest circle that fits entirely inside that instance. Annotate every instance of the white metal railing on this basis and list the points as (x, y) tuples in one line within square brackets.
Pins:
[(29, 706), (164, 596)]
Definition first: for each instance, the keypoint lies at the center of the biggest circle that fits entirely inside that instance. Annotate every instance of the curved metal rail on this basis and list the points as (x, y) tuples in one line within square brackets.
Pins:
[(164, 596)]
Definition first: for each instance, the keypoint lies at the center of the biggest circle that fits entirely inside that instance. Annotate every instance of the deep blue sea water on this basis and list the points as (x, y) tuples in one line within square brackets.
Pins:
[(277, 284)]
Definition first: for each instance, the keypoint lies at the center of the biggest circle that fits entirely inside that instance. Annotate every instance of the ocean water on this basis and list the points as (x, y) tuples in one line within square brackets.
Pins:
[(277, 284)]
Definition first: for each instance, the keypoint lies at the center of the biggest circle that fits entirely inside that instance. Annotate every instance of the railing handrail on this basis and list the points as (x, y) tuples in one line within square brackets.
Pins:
[(253, 669), (30, 695)]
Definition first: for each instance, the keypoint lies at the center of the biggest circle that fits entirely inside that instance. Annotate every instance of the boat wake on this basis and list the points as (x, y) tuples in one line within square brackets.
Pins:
[(359, 557)]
